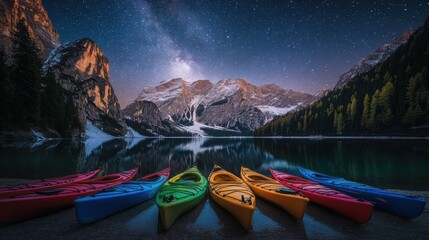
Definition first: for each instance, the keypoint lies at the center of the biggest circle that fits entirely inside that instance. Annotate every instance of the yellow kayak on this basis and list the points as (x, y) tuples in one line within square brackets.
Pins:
[(233, 194), (272, 191)]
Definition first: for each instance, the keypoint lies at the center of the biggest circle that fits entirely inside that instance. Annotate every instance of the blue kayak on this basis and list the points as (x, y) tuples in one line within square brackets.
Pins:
[(112, 200), (394, 203)]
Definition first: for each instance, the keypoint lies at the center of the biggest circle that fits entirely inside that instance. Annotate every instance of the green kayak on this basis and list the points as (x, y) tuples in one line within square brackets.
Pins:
[(178, 195)]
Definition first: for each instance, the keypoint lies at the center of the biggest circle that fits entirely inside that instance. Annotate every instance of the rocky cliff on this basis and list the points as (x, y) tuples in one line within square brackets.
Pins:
[(145, 117), (35, 18), (82, 69)]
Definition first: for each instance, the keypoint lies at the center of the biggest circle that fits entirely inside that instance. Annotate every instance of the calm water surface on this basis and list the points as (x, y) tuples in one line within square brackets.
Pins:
[(390, 164), (394, 164)]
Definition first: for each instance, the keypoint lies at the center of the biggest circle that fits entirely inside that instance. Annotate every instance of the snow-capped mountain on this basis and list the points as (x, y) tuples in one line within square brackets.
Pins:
[(231, 106), (376, 57)]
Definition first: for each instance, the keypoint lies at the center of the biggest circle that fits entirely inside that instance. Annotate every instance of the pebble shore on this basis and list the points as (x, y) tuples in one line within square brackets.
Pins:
[(209, 221)]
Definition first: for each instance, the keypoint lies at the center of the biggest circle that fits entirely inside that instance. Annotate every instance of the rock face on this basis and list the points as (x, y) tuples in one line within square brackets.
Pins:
[(376, 57), (82, 69), (230, 104), (35, 17), (322, 93), (144, 112), (145, 118)]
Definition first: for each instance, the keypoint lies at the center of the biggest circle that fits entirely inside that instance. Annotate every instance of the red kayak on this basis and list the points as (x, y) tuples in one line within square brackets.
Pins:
[(23, 207), (45, 184), (356, 210)]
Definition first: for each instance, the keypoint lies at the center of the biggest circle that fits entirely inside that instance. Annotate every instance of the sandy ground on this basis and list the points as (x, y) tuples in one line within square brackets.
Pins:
[(208, 220)]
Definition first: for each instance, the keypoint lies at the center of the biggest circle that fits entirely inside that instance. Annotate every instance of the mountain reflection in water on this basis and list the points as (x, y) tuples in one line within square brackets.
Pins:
[(387, 163)]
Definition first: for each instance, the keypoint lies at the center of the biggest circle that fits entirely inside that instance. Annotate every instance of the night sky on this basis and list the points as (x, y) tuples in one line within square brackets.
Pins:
[(300, 45)]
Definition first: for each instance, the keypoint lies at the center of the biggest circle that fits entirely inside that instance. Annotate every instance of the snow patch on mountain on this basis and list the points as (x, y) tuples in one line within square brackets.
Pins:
[(221, 90), (55, 56), (94, 132), (277, 111), (133, 134), (197, 129), (165, 95)]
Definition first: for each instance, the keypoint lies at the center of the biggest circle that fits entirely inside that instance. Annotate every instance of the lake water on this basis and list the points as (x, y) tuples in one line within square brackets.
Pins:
[(398, 164), (392, 164)]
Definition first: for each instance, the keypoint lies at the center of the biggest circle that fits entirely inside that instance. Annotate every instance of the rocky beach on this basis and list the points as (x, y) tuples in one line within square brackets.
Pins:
[(209, 220)]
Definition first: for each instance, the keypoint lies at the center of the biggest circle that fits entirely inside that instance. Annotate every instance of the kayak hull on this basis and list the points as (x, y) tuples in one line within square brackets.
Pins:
[(169, 214), (356, 210), (105, 203), (27, 206), (394, 203), (179, 195), (270, 190), (232, 194), (242, 212), (45, 184)]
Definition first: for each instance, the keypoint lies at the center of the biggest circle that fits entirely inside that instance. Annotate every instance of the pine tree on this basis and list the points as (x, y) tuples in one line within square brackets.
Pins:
[(26, 76), (305, 122), (387, 78), (71, 120), (416, 100), (53, 102), (6, 93), (352, 108), (340, 123), (386, 95), (365, 114), (373, 112), (335, 123)]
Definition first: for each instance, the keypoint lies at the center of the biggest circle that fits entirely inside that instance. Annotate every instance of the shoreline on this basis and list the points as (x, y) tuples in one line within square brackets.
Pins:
[(309, 137)]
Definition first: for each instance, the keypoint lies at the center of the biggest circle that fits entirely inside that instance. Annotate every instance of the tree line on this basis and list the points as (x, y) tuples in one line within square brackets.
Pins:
[(393, 97), (29, 97)]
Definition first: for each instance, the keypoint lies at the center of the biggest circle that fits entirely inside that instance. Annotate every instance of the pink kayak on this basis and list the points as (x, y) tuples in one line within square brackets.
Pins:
[(23, 207), (356, 210), (45, 184)]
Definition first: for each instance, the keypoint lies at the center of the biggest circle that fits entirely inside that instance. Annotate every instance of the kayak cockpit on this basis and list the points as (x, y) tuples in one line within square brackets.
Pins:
[(321, 176), (187, 178), (106, 179)]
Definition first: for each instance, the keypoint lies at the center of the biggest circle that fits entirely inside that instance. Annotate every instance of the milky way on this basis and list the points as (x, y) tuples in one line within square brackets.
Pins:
[(300, 45)]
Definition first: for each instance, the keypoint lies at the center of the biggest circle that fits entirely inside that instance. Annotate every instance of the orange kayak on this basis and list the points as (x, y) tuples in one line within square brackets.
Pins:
[(233, 194), (272, 191)]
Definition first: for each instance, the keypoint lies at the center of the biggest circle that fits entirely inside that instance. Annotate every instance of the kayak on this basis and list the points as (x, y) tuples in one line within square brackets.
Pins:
[(180, 194), (394, 203), (115, 199), (233, 194), (356, 210), (23, 207), (45, 184), (274, 192)]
